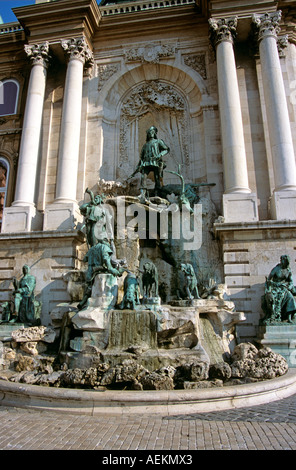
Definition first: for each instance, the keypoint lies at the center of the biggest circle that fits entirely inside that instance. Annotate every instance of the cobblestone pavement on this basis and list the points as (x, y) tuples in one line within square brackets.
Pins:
[(265, 427)]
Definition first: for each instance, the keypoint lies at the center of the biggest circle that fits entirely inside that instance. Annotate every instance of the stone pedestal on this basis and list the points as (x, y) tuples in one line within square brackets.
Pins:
[(21, 219), (131, 328), (239, 207), (104, 292), (281, 339), (199, 330), (283, 205), (61, 216), (103, 298)]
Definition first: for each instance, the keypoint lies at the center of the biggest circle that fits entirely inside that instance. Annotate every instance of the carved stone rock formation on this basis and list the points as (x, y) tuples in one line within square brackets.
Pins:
[(247, 364), (262, 364)]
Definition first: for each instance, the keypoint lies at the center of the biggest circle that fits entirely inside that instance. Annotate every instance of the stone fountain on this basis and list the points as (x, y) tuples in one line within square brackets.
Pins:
[(150, 309)]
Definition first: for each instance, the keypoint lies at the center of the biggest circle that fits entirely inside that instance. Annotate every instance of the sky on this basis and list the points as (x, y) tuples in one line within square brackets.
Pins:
[(5, 9), (6, 14)]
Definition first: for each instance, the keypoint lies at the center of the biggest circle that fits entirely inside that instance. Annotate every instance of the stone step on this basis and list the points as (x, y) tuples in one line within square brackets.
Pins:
[(7, 328)]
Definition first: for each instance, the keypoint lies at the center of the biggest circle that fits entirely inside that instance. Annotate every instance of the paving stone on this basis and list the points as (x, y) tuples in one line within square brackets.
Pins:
[(263, 427), (276, 412)]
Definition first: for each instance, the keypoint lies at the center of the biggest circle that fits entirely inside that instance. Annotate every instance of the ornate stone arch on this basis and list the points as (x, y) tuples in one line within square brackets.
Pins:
[(163, 95), (153, 102)]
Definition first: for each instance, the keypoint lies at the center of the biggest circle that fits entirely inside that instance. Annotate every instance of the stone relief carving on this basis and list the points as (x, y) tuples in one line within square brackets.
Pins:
[(282, 43), (38, 53), (265, 26), (198, 63), (222, 29), (152, 92), (105, 72), (150, 53), (159, 99), (77, 48)]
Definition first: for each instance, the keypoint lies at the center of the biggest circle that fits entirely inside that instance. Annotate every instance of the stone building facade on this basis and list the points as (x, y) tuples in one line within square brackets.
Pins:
[(218, 79)]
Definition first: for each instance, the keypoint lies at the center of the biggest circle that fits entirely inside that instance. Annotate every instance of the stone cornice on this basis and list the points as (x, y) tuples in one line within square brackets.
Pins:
[(290, 30), (11, 35), (38, 236), (222, 229), (240, 8), (50, 21), (143, 6), (8, 28)]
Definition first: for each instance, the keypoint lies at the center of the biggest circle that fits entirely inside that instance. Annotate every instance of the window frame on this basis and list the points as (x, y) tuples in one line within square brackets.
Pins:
[(13, 80), (4, 189)]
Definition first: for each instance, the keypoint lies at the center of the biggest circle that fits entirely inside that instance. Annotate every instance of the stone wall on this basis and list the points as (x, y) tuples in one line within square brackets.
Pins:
[(50, 256), (250, 251)]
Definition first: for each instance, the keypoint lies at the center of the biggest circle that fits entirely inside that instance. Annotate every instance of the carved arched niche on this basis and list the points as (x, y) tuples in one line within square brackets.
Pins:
[(153, 102), (159, 95)]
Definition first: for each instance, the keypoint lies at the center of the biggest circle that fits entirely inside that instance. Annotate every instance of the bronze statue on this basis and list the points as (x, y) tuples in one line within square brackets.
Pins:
[(183, 200), (26, 308), (99, 259), (150, 280), (151, 160), (6, 312), (131, 296), (187, 191), (190, 281), (278, 301), (93, 213)]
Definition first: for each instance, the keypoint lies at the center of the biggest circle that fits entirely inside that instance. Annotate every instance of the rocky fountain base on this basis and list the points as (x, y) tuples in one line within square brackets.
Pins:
[(187, 351), (186, 345)]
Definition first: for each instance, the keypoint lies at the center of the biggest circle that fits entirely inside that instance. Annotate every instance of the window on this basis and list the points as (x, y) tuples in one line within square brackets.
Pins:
[(9, 91), (4, 175)]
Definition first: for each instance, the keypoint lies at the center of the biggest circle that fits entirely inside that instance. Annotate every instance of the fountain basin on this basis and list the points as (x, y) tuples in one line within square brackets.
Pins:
[(162, 403)]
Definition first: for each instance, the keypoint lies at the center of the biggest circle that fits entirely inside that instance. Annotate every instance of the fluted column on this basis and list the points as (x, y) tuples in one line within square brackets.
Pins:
[(29, 150), (22, 215), (78, 54), (275, 101), (64, 213), (237, 203), (223, 32), (283, 201)]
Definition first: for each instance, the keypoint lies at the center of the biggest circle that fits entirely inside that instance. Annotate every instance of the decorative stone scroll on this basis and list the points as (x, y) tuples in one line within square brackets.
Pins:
[(105, 72), (38, 53), (150, 53), (222, 29), (77, 48), (197, 62)]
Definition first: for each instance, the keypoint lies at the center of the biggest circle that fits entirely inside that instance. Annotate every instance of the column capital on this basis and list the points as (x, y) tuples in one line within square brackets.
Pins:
[(38, 53), (222, 29), (77, 49), (267, 25)]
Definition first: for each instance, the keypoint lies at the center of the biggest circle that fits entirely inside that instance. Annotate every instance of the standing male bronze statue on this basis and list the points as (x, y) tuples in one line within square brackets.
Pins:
[(151, 160)]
